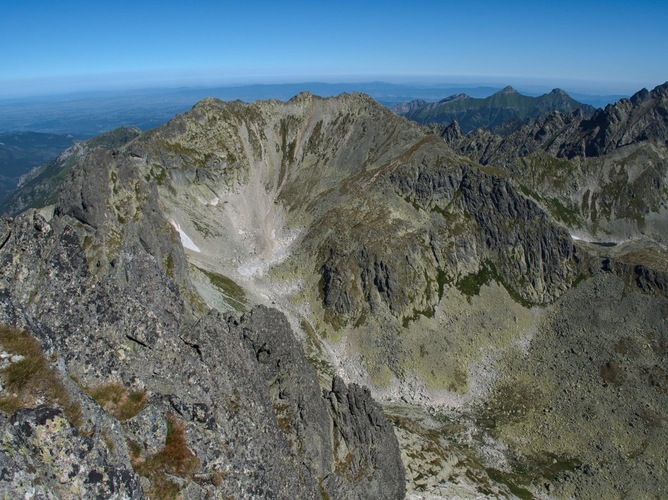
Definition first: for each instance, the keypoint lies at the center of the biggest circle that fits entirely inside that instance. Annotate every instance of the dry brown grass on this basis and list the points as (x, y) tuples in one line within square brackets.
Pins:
[(174, 459), (32, 381), (118, 400)]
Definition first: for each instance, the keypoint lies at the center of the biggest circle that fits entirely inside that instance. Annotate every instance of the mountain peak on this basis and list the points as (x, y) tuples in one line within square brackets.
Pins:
[(455, 97), (507, 90), (406, 107), (559, 92), (303, 97)]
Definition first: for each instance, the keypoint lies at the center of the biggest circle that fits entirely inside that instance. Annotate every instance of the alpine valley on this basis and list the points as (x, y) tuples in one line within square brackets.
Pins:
[(320, 298)]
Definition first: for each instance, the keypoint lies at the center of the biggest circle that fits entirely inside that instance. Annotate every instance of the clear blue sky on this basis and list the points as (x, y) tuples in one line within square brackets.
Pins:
[(54, 46)]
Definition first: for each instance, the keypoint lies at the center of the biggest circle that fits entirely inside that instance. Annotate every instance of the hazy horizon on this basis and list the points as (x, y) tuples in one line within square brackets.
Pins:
[(589, 47), (119, 83)]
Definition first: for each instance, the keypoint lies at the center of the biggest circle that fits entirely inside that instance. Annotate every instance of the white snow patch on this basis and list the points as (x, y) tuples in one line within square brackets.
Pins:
[(185, 239)]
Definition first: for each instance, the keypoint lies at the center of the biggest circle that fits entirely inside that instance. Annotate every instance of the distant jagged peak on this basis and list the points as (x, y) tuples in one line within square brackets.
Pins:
[(645, 99), (208, 102), (405, 107), (640, 96), (356, 97), (452, 133), (507, 90), (455, 97), (661, 89), (304, 97), (559, 92), (657, 93), (569, 133)]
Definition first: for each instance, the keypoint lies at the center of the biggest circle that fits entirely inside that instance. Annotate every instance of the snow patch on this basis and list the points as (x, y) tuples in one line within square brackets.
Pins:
[(185, 239)]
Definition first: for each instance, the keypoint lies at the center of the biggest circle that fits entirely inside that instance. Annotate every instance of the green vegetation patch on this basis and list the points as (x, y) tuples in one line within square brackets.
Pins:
[(512, 481), (169, 266), (529, 193), (559, 211), (233, 293), (471, 284), (441, 280), (427, 313), (159, 174), (532, 469), (314, 351)]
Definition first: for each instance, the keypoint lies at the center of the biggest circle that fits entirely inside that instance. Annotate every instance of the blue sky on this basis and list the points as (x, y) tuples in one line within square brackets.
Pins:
[(606, 46)]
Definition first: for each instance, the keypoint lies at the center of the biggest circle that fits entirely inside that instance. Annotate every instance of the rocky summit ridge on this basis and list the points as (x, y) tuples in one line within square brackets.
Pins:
[(321, 299), (607, 171)]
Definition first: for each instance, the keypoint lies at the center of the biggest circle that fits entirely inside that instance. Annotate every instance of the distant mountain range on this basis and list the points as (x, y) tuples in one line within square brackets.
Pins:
[(87, 114), (502, 112), (34, 131), (22, 151)]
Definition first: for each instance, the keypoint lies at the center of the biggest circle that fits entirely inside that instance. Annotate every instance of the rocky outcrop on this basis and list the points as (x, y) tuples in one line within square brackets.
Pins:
[(39, 187), (547, 132), (643, 117), (249, 415), (364, 454), (530, 252), (534, 257), (342, 432), (452, 133)]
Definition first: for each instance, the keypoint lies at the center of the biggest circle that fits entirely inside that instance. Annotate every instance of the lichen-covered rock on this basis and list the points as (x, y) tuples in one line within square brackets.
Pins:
[(42, 453), (148, 429)]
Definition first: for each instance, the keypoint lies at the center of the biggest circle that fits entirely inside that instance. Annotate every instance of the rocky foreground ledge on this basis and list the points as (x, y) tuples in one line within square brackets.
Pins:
[(125, 392)]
